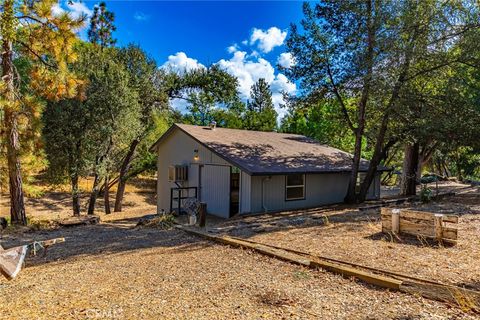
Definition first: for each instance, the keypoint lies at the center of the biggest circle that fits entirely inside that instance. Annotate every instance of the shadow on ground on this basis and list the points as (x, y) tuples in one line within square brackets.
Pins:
[(116, 237)]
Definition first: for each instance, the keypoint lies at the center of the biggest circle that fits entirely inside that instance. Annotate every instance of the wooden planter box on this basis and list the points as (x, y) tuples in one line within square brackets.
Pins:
[(441, 227)]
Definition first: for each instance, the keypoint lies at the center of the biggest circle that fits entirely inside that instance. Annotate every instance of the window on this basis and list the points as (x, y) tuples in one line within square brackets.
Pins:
[(295, 187)]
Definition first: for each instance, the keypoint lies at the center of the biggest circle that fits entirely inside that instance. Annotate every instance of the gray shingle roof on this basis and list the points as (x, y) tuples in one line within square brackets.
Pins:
[(261, 153)]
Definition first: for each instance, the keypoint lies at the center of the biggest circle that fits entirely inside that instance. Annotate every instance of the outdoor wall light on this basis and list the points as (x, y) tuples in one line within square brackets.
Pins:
[(195, 155)]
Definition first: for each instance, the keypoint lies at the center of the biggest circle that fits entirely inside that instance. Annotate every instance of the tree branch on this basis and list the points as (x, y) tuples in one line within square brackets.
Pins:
[(340, 100), (42, 60)]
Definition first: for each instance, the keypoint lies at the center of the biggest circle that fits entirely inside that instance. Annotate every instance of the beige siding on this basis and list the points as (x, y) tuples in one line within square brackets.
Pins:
[(178, 149)]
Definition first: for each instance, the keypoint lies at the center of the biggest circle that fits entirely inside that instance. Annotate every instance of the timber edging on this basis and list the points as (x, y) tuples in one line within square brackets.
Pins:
[(466, 299)]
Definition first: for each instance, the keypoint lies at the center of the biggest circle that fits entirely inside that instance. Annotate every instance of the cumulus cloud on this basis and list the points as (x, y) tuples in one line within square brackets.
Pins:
[(57, 9), (267, 40), (76, 9), (286, 60), (233, 48), (180, 63), (140, 16), (248, 69)]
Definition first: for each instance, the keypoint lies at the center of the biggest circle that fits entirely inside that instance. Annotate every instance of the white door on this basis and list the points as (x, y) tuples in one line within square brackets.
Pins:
[(215, 189)]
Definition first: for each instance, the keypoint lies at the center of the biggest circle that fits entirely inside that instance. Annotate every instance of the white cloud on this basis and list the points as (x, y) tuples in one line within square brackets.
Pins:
[(179, 104), (57, 9), (248, 69), (180, 63), (267, 40), (74, 9), (233, 48), (286, 60), (140, 16)]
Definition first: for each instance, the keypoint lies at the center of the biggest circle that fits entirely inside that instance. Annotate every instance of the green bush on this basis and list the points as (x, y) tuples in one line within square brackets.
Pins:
[(426, 194)]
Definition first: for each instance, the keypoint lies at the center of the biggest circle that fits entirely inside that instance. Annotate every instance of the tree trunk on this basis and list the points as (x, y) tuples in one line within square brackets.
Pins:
[(352, 184), (75, 195), (106, 196), (122, 179), (375, 161), (93, 195), (351, 196), (17, 205), (410, 167), (380, 150)]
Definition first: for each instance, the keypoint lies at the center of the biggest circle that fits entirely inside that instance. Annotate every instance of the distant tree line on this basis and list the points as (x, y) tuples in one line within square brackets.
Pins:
[(76, 109), (390, 81), (395, 82)]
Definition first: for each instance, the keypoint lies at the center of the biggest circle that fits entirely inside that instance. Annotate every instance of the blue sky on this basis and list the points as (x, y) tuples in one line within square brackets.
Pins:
[(246, 37)]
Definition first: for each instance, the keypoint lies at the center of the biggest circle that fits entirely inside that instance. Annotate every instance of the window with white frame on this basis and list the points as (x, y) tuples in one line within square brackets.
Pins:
[(295, 187)]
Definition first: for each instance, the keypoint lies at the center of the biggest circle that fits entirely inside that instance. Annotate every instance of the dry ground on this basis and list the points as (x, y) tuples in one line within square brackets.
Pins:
[(56, 202), (114, 270), (355, 236)]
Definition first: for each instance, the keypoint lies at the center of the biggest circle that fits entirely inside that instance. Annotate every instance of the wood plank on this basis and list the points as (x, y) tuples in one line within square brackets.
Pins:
[(465, 298), (80, 220), (420, 215), (429, 289), (368, 277), (285, 255)]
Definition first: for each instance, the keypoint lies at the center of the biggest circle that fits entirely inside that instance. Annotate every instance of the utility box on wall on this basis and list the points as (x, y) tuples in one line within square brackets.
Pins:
[(177, 173)]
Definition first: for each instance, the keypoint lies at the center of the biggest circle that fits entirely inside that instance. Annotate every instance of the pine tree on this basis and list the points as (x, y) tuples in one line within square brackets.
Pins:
[(45, 41), (101, 34), (102, 26), (261, 114)]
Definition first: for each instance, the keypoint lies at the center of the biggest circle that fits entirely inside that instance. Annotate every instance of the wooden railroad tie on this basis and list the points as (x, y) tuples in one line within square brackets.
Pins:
[(380, 278)]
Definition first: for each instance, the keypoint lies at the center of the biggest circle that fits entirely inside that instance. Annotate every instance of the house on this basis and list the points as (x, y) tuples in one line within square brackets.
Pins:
[(239, 171)]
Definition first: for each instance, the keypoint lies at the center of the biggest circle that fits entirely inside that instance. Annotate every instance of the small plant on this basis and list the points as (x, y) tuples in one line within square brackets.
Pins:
[(300, 275), (325, 220), (426, 194)]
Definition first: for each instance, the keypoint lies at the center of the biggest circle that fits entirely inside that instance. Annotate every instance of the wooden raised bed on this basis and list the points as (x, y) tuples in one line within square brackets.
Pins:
[(421, 223)]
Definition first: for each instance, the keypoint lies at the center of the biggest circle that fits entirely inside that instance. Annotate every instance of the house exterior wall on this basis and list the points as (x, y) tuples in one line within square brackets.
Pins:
[(320, 189), (178, 149), (245, 192)]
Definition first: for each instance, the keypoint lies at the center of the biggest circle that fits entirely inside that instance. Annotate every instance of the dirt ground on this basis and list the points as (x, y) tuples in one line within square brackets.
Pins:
[(355, 236), (56, 203), (115, 270)]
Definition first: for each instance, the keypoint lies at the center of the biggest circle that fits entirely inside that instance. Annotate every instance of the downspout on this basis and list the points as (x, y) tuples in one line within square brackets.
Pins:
[(263, 193)]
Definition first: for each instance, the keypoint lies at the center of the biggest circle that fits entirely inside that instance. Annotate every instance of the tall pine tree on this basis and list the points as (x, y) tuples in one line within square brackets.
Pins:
[(29, 31), (102, 26), (261, 114)]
